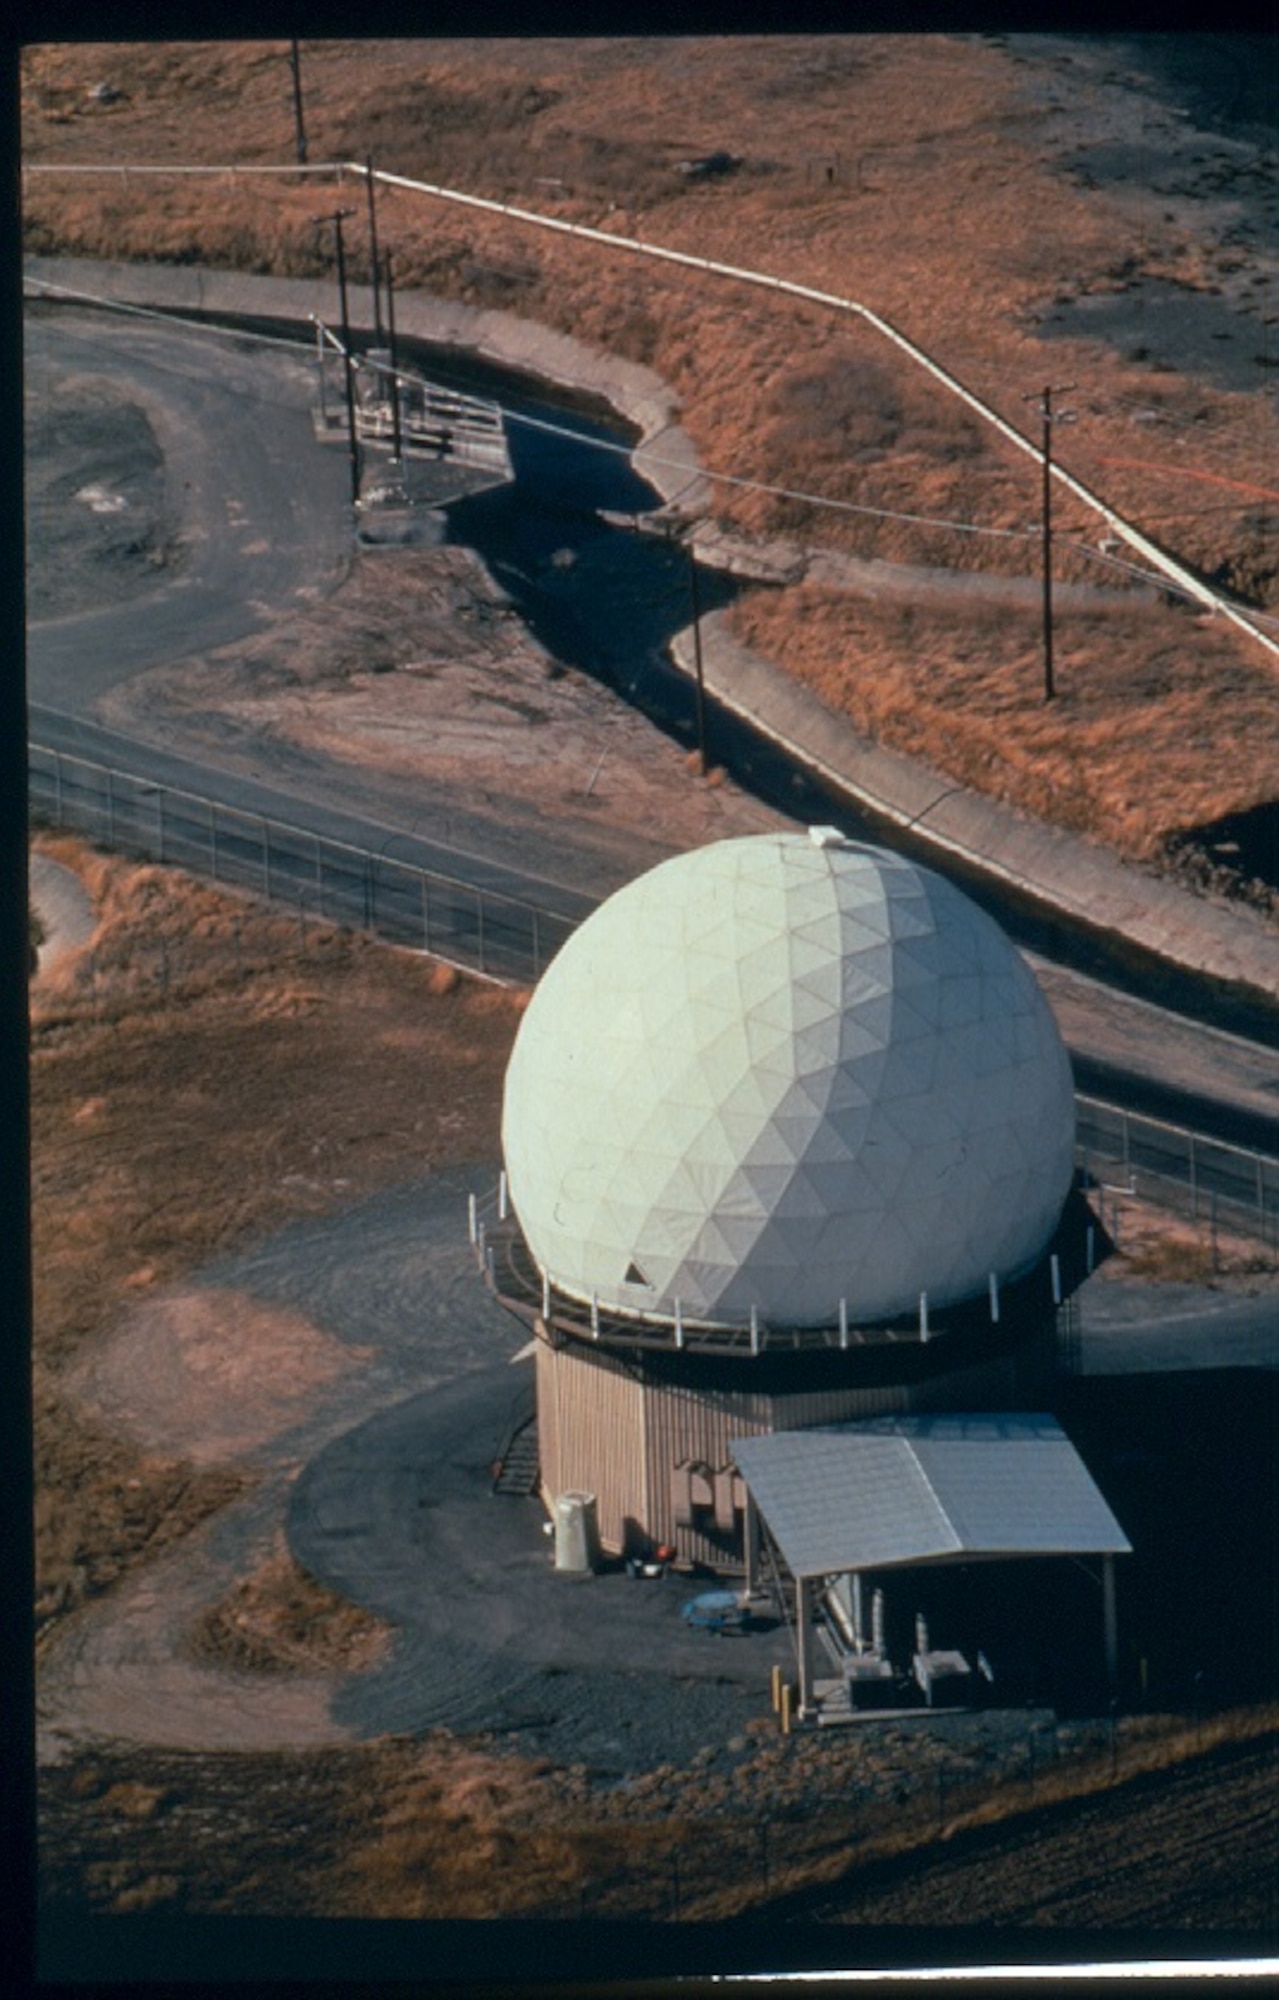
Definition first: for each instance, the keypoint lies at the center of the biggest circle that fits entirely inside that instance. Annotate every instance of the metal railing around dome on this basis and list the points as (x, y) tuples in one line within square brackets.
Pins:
[(513, 1276)]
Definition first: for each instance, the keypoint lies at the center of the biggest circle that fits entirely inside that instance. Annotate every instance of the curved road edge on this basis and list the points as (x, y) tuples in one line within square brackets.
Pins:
[(1079, 880)]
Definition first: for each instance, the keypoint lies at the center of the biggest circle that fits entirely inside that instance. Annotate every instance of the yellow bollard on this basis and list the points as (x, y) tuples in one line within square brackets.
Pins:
[(776, 1688), (786, 1699)]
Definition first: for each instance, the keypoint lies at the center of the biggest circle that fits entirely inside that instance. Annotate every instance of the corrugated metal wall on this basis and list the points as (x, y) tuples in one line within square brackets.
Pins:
[(594, 1442), (603, 1430), (682, 1424)]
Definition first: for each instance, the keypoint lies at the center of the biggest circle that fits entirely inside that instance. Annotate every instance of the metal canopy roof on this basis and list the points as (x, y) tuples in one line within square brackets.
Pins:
[(875, 1495)]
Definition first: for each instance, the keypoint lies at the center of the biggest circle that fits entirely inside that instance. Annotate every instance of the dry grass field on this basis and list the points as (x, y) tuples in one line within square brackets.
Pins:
[(183, 1062), (182, 1093), (969, 188), (183, 1098)]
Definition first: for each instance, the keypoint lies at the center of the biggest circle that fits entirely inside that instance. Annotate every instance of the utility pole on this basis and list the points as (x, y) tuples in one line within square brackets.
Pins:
[(397, 445), (377, 296), (295, 61), (697, 653), (348, 372), (1048, 417)]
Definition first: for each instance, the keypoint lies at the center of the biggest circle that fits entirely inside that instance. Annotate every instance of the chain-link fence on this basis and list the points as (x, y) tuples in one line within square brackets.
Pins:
[(510, 938), (503, 937), (1125, 1151)]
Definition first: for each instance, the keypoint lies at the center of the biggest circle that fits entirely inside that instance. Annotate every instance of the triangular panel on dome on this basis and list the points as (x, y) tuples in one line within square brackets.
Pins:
[(771, 1047), (815, 1140), (764, 968), (960, 999), (911, 918), (871, 1187), (746, 1134), (756, 1187), (872, 1013), (914, 1012), (713, 988), (724, 1058), (820, 972), (717, 1243)]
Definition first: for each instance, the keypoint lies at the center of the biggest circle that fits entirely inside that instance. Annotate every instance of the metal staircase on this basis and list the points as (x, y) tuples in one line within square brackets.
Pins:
[(517, 1468)]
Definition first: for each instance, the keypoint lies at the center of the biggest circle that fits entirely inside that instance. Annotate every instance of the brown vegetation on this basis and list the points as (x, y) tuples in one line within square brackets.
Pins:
[(280, 1620), (189, 1003), (183, 1093), (953, 216), (922, 175), (1131, 748)]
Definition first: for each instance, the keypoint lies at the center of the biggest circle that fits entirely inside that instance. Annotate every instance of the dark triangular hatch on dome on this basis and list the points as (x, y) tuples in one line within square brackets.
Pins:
[(634, 1276)]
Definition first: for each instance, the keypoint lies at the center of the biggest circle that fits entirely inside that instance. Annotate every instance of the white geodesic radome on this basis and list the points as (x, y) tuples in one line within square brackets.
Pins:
[(783, 1072)]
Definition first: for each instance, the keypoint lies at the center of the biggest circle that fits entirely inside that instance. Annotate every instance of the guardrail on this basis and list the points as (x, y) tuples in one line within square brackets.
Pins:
[(513, 940), (501, 937)]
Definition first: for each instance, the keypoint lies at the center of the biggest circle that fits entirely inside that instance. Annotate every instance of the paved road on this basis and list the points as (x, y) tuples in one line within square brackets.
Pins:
[(380, 1475), (261, 519), (256, 510), (1135, 1328)]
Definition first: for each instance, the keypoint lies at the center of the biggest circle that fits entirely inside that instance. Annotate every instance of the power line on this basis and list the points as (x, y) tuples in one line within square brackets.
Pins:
[(1108, 560), (816, 500), (796, 494)]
